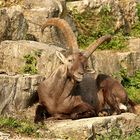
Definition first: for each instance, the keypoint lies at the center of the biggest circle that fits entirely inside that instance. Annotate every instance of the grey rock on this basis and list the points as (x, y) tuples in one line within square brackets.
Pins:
[(12, 55), (17, 92), (4, 25), (124, 12), (108, 62), (90, 128), (19, 26), (111, 62)]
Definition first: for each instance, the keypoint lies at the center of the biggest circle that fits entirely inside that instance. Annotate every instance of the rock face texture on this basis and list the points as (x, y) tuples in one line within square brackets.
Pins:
[(111, 62), (15, 52), (94, 127), (108, 62), (19, 26), (17, 92), (4, 25), (124, 11), (27, 18)]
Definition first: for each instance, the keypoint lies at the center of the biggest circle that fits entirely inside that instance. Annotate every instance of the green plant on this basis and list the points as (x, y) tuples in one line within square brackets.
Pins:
[(135, 29), (19, 126), (93, 25), (131, 84), (31, 62), (138, 10), (116, 134)]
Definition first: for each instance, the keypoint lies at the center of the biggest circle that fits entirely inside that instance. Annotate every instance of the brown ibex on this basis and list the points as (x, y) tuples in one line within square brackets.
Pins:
[(57, 96), (114, 94), (105, 91)]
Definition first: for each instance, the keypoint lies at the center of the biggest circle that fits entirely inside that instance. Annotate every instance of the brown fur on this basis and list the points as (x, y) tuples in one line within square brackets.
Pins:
[(57, 96), (114, 93)]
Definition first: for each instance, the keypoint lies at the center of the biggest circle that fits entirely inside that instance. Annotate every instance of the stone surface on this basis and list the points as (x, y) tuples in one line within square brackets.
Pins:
[(19, 26), (109, 62), (88, 128), (4, 25), (12, 55), (17, 92), (124, 11), (36, 13)]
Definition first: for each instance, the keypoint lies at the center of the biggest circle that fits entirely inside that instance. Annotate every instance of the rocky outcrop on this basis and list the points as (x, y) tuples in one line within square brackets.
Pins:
[(123, 11), (14, 28), (111, 62), (35, 14), (4, 25), (14, 54), (96, 127), (19, 26), (17, 92), (108, 62)]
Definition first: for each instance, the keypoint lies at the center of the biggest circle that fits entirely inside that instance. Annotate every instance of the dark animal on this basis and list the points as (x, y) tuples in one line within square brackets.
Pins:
[(57, 96), (115, 94), (105, 91)]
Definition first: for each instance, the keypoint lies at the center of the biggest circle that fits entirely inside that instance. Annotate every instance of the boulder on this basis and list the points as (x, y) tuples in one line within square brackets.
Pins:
[(35, 13), (19, 26), (4, 25), (97, 127), (107, 61), (15, 54), (111, 62), (17, 92), (124, 11), (14, 28)]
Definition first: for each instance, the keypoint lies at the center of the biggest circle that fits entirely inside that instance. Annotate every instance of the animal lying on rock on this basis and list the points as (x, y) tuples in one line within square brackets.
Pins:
[(57, 96), (114, 94), (105, 91)]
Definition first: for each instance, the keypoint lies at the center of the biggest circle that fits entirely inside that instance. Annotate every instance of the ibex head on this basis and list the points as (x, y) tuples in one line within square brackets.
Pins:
[(76, 62), (76, 65)]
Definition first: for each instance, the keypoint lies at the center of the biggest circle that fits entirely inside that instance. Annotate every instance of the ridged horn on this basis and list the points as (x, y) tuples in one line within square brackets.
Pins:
[(91, 48), (66, 30)]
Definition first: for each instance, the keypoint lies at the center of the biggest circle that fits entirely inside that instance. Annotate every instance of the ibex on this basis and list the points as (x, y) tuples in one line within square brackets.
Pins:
[(105, 90), (114, 94), (57, 96)]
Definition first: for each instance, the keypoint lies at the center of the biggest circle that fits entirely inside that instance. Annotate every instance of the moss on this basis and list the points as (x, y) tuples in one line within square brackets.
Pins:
[(92, 25), (24, 127), (30, 63)]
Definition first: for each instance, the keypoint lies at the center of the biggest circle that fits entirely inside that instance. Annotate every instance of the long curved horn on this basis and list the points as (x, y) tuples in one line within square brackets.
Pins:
[(91, 48), (66, 30)]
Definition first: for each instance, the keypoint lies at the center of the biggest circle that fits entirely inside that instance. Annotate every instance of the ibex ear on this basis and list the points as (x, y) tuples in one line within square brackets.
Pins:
[(61, 57)]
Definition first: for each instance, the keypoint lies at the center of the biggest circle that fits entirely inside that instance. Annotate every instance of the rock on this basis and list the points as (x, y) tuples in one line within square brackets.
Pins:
[(17, 53), (4, 135), (14, 28), (90, 128), (110, 62), (4, 25), (36, 13), (19, 26), (123, 11), (134, 44), (17, 92)]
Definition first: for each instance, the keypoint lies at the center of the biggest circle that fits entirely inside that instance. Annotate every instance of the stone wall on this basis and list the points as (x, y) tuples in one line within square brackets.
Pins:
[(17, 92), (124, 11)]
